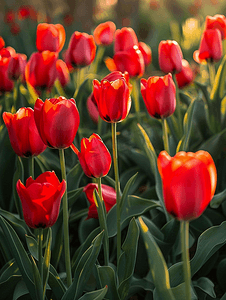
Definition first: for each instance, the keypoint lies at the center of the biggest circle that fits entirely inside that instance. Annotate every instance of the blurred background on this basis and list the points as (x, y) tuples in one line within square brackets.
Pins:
[(152, 20)]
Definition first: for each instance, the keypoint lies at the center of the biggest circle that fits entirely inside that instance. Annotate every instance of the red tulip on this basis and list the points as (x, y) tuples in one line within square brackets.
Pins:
[(81, 50), (2, 43), (104, 33), (94, 157), (41, 199), (6, 84), (41, 70), (109, 198), (57, 120), (50, 37), (211, 45), (159, 94), (92, 108), (125, 39), (62, 72), (170, 57), (217, 22), (189, 182), (131, 61), (23, 133), (16, 68), (112, 98), (186, 76), (146, 52)]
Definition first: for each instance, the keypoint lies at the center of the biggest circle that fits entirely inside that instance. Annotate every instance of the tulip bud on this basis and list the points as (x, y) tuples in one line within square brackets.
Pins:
[(185, 77), (41, 199), (170, 57), (189, 183), (104, 33), (146, 52), (159, 94), (125, 39), (217, 22), (62, 72), (211, 45)]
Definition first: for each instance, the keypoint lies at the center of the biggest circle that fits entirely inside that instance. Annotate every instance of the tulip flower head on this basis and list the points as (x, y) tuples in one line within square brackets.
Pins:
[(189, 183), (170, 57), (112, 98), (41, 199), (50, 37), (210, 48), (125, 39), (62, 72), (92, 108), (186, 76), (146, 52), (104, 33), (159, 94), (217, 22), (16, 68), (23, 133), (94, 157), (109, 198), (57, 120)]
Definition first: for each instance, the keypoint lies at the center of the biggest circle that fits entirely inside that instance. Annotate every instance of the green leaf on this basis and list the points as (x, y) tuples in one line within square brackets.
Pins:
[(7, 287), (157, 264), (84, 269), (32, 246), (107, 277), (218, 199), (73, 196), (20, 290), (218, 90), (127, 259), (73, 177), (9, 269), (37, 280), (95, 295), (206, 285), (46, 261), (19, 174), (126, 189), (56, 284), (20, 255)]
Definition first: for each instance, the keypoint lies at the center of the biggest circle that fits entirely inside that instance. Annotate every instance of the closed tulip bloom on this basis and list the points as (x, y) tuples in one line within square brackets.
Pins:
[(170, 57), (41, 199), (81, 50), (159, 94), (211, 45), (92, 108), (186, 76), (57, 120), (113, 99), (130, 61), (217, 22), (41, 70), (23, 133), (189, 183), (108, 194), (6, 84), (125, 39), (16, 68), (104, 33), (50, 37), (146, 52), (94, 156), (62, 72)]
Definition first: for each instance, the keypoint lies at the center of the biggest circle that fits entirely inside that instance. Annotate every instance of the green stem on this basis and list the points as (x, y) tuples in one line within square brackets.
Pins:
[(40, 266), (212, 71), (32, 167), (99, 56), (178, 108), (99, 125), (165, 136), (117, 187), (15, 93), (78, 78), (184, 231), (65, 222), (103, 224), (135, 94)]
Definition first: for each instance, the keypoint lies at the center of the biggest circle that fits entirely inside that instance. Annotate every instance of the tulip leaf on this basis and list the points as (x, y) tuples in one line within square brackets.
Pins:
[(56, 284), (107, 277), (7, 287), (21, 290), (73, 177), (187, 126), (133, 206), (32, 246), (126, 190), (218, 90), (37, 280), (206, 285), (73, 196), (157, 264), (95, 295), (20, 255), (33, 95), (218, 199), (84, 269), (46, 261), (59, 88), (19, 174), (127, 259)]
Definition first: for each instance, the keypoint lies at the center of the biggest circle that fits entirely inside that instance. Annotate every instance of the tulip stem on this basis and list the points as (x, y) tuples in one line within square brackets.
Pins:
[(117, 188), (99, 56), (211, 73), (135, 92), (165, 136), (79, 78), (32, 167), (40, 241), (103, 224), (178, 108), (184, 231), (65, 221)]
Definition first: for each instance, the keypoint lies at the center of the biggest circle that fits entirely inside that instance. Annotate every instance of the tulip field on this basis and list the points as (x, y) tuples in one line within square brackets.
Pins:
[(113, 171)]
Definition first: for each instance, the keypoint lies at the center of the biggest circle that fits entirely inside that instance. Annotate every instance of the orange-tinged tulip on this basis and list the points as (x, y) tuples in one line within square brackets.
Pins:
[(62, 72), (50, 37), (217, 22), (104, 33), (41, 199), (146, 52), (186, 76), (57, 120), (189, 182)]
